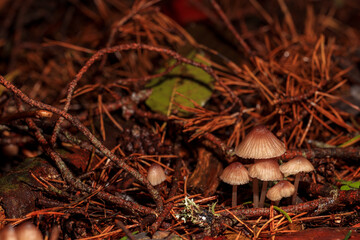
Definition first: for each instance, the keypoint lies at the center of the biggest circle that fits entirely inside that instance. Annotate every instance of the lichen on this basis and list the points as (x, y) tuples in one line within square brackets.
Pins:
[(197, 215), (20, 175)]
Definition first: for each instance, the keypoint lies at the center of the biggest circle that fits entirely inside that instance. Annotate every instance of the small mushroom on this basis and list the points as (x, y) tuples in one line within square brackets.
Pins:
[(235, 174), (280, 190), (156, 174), (295, 167), (28, 231), (265, 170), (8, 233), (55, 232), (260, 143), (10, 150)]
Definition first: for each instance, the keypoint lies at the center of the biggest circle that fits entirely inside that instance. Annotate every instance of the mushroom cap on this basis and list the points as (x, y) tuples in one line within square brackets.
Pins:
[(266, 170), (8, 233), (55, 232), (28, 231), (280, 190), (260, 143), (296, 165), (235, 174), (156, 174)]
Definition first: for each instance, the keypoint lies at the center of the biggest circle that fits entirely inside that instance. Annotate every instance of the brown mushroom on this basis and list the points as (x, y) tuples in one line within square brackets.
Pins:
[(280, 190), (296, 166), (156, 174), (260, 143), (235, 174), (55, 232), (28, 231), (265, 170), (8, 233)]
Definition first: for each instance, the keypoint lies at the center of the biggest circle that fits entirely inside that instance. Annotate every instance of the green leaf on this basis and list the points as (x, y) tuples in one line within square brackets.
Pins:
[(354, 185), (343, 182), (349, 185), (183, 84)]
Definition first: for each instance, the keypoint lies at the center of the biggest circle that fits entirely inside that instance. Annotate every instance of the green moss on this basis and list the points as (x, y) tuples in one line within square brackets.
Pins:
[(20, 175)]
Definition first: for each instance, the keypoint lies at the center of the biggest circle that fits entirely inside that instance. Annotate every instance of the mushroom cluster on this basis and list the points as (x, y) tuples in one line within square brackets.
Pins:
[(264, 147)]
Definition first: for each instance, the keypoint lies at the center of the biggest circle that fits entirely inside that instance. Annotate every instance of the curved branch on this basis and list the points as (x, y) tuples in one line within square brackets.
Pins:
[(155, 194), (132, 46)]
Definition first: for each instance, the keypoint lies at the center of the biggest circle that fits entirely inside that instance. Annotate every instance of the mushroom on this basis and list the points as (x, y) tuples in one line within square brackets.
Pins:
[(280, 190), (156, 174), (235, 174), (265, 170), (10, 150), (295, 167), (8, 233), (28, 231), (260, 143), (55, 232)]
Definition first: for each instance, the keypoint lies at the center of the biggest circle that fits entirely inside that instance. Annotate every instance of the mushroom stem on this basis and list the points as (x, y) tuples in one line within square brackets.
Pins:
[(234, 196), (296, 185), (256, 192), (263, 193), (276, 203)]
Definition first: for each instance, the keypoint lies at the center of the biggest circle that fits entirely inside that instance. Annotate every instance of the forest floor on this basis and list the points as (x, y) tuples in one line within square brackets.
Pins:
[(96, 92)]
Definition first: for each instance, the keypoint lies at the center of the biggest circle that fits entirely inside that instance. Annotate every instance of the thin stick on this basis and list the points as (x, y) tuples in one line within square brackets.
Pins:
[(125, 230), (243, 223), (74, 121), (125, 47), (262, 11), (24, 114), (288, 19), (231, 27), (351, 154)]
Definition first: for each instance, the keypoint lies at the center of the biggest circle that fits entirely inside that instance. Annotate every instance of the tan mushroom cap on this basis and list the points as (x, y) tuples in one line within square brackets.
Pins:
[(266, 170), (280, 190), (235, 174), (8, 233), (296, 165), (156, 174), (28, 231), (260, 143)]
